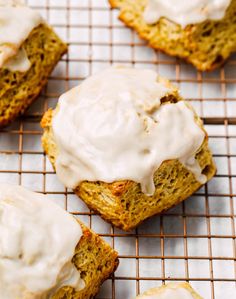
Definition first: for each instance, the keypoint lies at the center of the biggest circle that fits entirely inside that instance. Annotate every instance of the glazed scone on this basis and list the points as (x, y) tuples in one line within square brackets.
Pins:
[(45, 252), (127, 144), (181, 290), (29, 50), (202, 32)]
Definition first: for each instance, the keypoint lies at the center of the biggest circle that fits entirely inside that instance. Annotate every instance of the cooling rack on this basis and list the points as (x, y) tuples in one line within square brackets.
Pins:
[(194, 241)]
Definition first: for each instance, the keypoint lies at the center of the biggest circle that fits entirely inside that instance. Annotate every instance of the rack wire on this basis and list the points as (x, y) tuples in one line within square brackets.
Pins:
[(194, 241)]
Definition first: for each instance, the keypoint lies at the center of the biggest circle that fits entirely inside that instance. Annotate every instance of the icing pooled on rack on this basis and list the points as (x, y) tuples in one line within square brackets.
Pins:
[(37, 243), (16, 23), (185, 12), (170, 291), (113, 127)]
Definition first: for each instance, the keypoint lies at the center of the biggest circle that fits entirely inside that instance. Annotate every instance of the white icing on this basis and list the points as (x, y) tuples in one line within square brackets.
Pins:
[(112, 128), (37, 243), (19, 62), (185, 12), (16, 23), (170, 291)]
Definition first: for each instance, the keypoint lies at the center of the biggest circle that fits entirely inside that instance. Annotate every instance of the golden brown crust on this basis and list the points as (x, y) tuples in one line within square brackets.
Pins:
[(131, 207), (17, 90), (122, 203), (95, 260), (114, 3), (205, 45), (47, 118)]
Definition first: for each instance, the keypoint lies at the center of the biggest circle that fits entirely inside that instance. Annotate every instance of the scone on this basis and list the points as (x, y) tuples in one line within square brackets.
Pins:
[(128, 145), (201, 32), (45, 252), (29, 50), (181, 290)]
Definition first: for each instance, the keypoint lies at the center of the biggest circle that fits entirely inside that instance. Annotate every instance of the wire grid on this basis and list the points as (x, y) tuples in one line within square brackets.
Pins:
[(194, 241)]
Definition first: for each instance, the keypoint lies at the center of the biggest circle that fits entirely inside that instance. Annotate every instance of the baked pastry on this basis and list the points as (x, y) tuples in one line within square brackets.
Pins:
[(29, 50), (128, 145), (201, 32), (181, 290), (45, 252)]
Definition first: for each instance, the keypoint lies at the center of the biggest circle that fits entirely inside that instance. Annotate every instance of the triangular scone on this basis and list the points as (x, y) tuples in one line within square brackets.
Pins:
[(19, 86), (206, 45), (122, 202), (46, 252)]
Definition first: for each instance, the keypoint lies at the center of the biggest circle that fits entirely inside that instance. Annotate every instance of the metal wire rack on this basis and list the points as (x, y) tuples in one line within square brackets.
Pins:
[(194, 241)]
